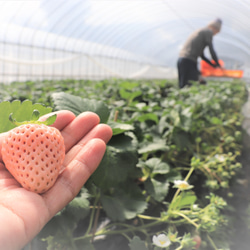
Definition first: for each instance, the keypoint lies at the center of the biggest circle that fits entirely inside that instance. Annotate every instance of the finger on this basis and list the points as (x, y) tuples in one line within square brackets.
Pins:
[(74, 176), (8, 183), (101, 131), (78, 128), (6, 179), (4, 174), (2, 167)]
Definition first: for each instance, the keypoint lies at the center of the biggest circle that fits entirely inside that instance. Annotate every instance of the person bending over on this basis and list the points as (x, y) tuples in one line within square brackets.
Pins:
[(194, 48)]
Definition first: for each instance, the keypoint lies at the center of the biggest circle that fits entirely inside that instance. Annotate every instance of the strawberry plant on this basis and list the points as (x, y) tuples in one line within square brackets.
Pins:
[(168, 169)]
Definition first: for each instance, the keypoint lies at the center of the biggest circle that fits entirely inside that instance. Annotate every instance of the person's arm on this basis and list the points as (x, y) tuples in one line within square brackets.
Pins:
[(213, 54), (208, 61)]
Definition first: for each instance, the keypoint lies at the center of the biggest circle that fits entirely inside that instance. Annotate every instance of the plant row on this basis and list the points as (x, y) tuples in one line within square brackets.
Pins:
[(167, 174)]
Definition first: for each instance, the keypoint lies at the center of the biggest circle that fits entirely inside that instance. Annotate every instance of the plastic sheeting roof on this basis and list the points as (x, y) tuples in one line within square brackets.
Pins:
[(148, 31)]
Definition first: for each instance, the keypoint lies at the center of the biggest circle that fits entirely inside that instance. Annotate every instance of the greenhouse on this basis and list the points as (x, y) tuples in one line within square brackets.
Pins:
[(125, 125), (100, 39)]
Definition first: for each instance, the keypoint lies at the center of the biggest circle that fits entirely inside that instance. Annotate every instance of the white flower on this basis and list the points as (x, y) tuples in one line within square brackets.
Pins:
[(195, 207), (220, 158), (183, 185), (161, 240)]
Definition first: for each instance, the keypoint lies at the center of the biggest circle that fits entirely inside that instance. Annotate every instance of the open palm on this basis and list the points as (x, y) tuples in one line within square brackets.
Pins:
[(23, 213)]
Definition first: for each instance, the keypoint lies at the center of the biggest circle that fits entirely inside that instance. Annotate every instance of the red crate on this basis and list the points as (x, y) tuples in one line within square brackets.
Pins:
[(208, 70)]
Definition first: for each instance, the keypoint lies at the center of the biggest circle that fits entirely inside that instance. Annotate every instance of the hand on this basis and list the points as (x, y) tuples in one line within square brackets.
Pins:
[(23, 213), (215, 65)]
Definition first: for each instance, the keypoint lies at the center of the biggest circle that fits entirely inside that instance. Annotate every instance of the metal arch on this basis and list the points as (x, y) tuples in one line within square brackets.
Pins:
[(35, 33), (144, 31), (117, 16), (110, 35), (92, 47), (239, 42), (209, 9), (21, 35), (4, 41), (135, 32), (190, 26), (113, 34), (246, 50), (47, 36), (65, 28), (14, 15), (116, 54), (124, 31), (81, 34), (126, 42), (65, 44), (135, 45), (26, 22), (73, 32)]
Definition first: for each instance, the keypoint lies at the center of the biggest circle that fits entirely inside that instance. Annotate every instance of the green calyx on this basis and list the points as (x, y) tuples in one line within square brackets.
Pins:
[(34, 119)]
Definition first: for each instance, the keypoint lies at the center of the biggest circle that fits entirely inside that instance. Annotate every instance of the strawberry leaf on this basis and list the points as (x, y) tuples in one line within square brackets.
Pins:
[(137, 244), (119, 128), (21, 111), (78, 105), (35, 115), (124, 204), (50, 120)]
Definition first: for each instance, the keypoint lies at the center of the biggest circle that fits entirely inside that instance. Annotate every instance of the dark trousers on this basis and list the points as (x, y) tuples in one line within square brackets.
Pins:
[(187, 71)]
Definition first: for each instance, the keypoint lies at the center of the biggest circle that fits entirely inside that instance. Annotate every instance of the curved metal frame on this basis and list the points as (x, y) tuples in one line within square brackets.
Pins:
[(125, 39)]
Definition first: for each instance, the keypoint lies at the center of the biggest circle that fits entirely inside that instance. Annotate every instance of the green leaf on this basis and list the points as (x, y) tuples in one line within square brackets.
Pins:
[(35, 115), (50, 120), (216, 121), (129, 95), (118, 162), (157, 166), (173, 175), (124, 204), (184, 200), (181, 139), (78, 208), (137, 244), (159, 145), (119, 128), (84, 244), (157, 189), (78, 105), (148, 117), (128, 85), (34, 119), (68, 218), (20, 112)]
